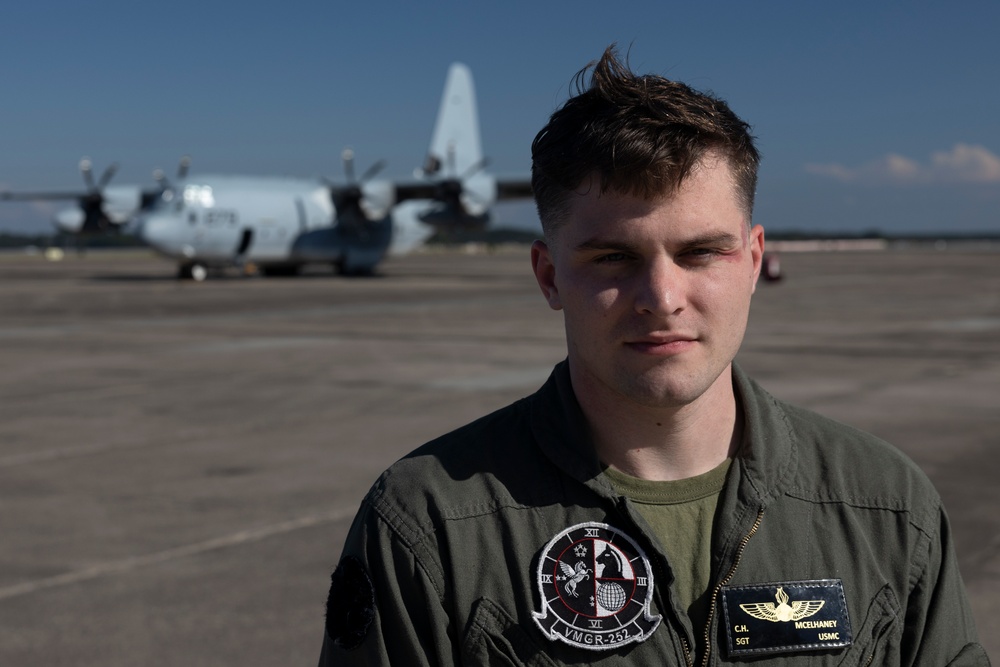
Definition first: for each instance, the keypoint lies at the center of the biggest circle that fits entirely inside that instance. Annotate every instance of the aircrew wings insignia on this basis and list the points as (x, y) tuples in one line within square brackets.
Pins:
[(783, 611)]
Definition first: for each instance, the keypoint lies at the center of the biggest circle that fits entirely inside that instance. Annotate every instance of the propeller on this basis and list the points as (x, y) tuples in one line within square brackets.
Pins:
[(95, 218), (94, 209), (452, 189), (99, 208), (353, 211), (460, 204), (183, 166), (149, 196), (347, 156), (86, 169)]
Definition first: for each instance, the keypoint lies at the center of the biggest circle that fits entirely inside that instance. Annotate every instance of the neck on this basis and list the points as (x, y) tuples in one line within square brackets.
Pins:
[(662, 443)]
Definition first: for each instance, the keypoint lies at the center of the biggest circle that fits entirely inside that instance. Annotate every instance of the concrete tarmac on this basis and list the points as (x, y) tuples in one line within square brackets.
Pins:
[(180, 462)]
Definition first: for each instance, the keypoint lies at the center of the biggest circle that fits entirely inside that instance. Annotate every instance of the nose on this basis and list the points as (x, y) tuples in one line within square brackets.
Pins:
[(659, 288), (160, 232)]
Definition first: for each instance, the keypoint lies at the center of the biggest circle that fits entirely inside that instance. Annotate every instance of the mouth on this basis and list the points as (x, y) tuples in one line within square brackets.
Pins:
[(662, 345)]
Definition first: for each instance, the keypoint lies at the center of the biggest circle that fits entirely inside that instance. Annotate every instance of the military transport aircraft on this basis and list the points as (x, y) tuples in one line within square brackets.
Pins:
[(282, 224)]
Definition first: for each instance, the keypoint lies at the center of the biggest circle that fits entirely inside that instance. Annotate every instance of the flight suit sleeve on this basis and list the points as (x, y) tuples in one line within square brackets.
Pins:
[(938, 627), (385, 601)]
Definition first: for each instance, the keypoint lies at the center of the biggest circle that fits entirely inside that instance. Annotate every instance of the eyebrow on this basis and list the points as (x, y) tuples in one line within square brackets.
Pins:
[(604, 244), (718, 238)]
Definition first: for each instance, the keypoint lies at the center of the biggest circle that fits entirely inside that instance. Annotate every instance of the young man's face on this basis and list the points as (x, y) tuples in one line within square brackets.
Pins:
[(655, 294)]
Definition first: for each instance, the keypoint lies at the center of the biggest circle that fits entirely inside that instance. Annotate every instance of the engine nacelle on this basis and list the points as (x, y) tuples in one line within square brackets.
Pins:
[(121, 203), (377, 198), (479, 191), (70, 220)]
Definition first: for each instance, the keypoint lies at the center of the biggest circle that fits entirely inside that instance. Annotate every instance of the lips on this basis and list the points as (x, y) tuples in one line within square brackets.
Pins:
[(662, 344)]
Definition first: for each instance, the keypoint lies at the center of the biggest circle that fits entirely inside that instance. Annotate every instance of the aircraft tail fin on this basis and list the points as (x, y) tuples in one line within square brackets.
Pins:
[(456, 150)]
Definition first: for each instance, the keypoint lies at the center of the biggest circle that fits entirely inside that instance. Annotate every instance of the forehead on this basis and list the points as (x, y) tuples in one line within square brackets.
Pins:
[(707, 200)]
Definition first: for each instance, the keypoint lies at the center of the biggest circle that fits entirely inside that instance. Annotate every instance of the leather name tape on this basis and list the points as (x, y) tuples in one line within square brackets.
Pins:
[(786, 616)]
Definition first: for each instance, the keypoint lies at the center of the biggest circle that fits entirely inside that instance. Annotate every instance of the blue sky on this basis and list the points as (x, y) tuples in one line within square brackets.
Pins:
[(870, 115)]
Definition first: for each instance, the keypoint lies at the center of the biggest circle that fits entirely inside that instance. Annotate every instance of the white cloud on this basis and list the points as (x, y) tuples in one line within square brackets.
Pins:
[(900, 168), (962, 164), (969, 164), (835, 171)]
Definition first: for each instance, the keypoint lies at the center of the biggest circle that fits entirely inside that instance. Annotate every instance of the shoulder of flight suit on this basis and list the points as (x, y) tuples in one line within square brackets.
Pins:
[(839, 463)]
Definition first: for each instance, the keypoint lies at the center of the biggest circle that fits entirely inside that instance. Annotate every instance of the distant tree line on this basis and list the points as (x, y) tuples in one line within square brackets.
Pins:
[(496, 236)]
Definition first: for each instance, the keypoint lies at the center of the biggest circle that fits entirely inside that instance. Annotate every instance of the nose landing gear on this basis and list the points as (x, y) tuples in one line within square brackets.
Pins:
[(195, 271)]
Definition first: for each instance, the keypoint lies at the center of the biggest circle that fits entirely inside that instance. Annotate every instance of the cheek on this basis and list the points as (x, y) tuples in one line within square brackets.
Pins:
[(606, 300), (726, 295), (591, 295)]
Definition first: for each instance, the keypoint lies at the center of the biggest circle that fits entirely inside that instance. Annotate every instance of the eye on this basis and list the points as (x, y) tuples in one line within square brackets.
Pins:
[(611, 258), (699, 253)]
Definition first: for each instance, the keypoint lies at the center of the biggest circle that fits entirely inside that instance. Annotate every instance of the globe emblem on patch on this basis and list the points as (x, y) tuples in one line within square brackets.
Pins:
[(596, 586), (611, 596)]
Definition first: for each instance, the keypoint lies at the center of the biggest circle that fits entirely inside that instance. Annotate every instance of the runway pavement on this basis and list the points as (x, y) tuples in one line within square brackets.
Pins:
[(180, 462)]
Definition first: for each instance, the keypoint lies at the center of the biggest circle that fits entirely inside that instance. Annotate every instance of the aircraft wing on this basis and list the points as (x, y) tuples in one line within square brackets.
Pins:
[(40, 196), (99, 209), (507, 188), (416, 190), (518, 188)]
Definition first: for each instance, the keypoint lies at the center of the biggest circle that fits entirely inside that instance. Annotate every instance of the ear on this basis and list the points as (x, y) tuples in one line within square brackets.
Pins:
[(545, 273), (756, 252)]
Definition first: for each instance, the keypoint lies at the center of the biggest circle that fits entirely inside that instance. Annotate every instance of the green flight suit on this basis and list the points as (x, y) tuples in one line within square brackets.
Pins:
[(444, 563)]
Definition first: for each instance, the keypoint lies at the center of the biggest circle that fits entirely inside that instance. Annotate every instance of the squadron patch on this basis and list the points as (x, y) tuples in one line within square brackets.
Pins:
[(595, 585), (350, 605)]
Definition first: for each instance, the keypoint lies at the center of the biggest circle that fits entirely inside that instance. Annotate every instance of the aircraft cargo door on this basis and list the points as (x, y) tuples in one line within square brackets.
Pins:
[(245, 242)]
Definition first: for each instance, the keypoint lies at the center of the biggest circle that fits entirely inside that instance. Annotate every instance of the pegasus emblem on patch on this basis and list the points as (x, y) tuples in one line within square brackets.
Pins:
[(596, 586)]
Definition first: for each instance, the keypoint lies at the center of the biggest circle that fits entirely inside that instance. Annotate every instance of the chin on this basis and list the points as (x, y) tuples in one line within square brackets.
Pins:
[(659, 392)]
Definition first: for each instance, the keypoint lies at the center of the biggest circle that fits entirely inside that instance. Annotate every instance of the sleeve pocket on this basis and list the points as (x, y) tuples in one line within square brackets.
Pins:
[(871, 641), (494, 638)]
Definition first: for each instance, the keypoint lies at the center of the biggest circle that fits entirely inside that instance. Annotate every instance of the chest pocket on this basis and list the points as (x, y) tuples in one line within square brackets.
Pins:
[(873, 643), (495, 639)]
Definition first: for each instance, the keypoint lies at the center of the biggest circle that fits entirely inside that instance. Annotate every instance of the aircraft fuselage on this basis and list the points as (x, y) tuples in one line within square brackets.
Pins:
[(225, 220)]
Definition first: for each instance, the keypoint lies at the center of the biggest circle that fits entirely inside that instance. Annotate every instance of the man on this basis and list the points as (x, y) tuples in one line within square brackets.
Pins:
[(650, 505)]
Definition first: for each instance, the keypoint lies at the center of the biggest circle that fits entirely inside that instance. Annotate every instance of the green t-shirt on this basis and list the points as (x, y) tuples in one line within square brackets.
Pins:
[(681, 514)]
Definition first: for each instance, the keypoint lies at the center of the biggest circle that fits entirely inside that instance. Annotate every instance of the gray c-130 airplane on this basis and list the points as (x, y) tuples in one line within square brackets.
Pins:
[(282, 224)]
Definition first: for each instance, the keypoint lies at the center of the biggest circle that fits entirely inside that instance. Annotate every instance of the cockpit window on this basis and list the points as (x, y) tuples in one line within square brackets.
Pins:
[(199, 195)]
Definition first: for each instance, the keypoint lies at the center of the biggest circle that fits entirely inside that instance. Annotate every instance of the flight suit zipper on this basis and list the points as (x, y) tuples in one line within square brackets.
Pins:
[(725, 580), (687, 653)]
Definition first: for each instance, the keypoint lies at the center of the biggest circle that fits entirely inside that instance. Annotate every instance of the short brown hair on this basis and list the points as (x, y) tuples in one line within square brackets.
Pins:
[(639, 135)]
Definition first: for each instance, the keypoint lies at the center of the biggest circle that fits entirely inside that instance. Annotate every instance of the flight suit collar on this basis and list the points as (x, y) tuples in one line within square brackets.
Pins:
[(764, 463), (763, 468), (560, 429), (768, 456)]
